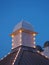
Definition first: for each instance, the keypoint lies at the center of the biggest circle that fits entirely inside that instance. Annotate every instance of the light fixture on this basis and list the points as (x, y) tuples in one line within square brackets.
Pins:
[(16, 56), (20, 31), (12, 44), (34, 42), (46, 56), (12, 40), (34, 34), (12, 47), (34, 46), (38, 51), (34, 38), (12, 35)]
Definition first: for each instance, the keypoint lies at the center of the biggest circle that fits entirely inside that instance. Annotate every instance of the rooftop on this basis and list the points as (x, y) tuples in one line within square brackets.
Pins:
[(24, 25), (26, 56)]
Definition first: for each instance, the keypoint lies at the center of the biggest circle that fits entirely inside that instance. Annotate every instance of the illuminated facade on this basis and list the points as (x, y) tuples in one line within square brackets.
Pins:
[(23, 34)]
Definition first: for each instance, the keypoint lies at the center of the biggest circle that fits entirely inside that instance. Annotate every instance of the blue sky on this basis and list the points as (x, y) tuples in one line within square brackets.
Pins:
[(13, 11)]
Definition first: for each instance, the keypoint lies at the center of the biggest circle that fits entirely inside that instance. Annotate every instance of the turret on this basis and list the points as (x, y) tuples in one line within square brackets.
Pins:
[(23, 34)]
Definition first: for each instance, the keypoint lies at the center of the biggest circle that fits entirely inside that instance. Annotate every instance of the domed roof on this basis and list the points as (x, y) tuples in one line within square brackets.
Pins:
[(23, 25), (39, 48), (46, 44)]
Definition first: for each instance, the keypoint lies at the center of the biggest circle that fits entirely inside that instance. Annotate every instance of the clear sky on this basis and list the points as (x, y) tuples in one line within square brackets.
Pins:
[(13, 11)]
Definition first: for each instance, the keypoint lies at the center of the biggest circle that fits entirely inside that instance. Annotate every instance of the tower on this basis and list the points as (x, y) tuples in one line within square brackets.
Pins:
[(23, 50), (23, 34)]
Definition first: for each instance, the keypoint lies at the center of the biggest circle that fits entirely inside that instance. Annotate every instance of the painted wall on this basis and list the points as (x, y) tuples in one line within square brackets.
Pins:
[(23, 39), (27, 39), (16, 41)]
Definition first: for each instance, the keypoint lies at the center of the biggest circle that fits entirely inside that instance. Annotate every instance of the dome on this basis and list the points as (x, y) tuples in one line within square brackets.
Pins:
[(46, 44), (39, 48), (23, 25)]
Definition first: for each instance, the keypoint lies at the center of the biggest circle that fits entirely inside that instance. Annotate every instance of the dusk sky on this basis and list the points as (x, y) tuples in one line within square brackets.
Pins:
[(12, 12)]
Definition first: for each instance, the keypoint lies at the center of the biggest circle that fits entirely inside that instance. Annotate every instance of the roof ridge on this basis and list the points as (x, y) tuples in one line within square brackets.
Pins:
[(19, 57), (16, 56)]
